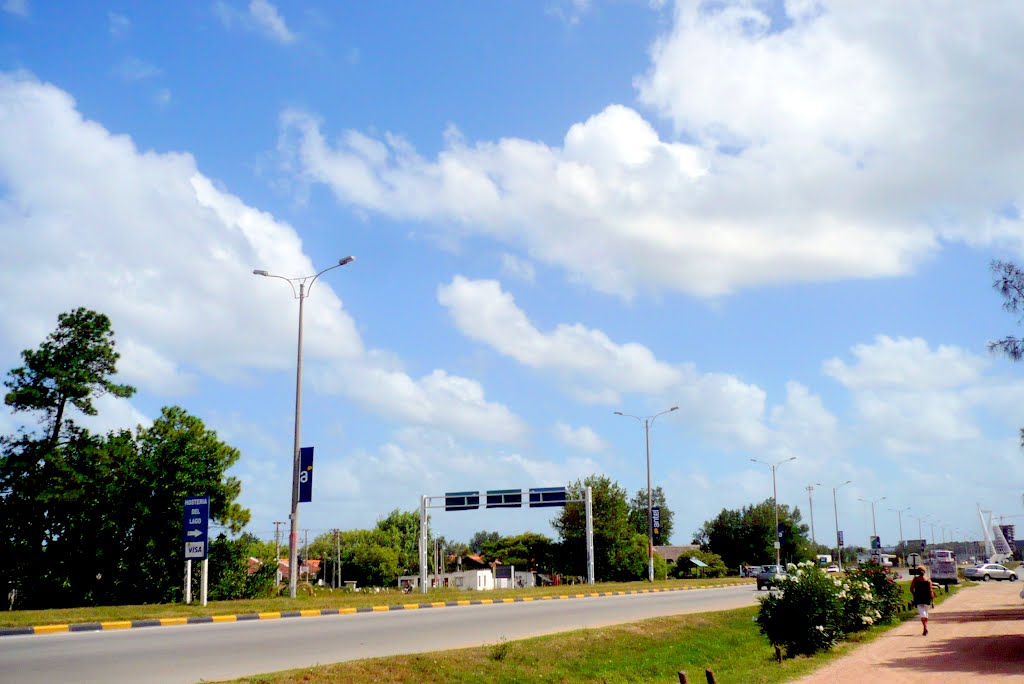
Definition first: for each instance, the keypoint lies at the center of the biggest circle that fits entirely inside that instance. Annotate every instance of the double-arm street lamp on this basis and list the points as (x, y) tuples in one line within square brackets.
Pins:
[(900, 512), (874, 530), (646, 422), (835, 509), (775, 500), (300, 294)]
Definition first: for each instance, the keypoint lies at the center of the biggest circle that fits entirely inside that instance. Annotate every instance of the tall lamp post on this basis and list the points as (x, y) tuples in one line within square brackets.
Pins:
[(874, 529), (300, 294), (646, 422), (810, 506), (900, 512), (835, 509), (775, 499)]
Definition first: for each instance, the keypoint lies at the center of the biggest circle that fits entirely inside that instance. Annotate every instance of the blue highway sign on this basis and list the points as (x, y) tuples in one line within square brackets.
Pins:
[(197, 526)]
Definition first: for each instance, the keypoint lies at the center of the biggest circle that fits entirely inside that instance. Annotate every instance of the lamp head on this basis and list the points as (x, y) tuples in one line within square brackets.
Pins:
[(674, 408), (619, 413), (346, 260), (260, 272)]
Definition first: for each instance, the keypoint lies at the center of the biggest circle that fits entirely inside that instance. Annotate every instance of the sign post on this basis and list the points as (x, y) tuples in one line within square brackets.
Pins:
[(196, 535)]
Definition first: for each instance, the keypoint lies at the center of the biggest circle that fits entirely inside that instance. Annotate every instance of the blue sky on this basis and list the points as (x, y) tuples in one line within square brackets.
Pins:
[(778, 216)]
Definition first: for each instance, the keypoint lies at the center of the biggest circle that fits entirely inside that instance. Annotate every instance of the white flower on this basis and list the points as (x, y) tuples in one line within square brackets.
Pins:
[(820, 628)]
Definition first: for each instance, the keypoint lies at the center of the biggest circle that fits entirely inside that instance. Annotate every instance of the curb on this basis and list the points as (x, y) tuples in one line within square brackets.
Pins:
[(277, 615)]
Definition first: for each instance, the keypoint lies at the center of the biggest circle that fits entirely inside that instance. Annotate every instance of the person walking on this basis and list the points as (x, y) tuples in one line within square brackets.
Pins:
[(923, 592)]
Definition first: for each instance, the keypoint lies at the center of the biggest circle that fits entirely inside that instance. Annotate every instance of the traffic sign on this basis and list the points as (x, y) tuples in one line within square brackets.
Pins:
[(461, 501), (876, 542), (504, 498), (913, 559), (541, 497), (197, 526)]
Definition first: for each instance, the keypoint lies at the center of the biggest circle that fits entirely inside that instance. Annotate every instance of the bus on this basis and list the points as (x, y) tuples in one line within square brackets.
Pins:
[(942, 567)]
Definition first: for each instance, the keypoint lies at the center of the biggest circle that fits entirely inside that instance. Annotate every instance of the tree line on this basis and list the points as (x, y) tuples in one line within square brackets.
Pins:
[(96, 519)]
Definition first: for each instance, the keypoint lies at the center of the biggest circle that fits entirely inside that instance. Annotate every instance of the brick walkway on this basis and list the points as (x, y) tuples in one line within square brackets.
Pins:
[(975, 636)]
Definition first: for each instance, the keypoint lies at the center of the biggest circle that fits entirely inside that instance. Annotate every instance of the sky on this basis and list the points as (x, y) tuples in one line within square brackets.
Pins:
[(777, 216)]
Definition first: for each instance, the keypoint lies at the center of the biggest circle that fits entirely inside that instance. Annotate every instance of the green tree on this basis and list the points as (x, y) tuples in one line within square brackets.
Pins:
[(73, 365), (400, 530), (638, 513), (527, 551), (615, 545), (87, 519), (747, 535), (480, 539)]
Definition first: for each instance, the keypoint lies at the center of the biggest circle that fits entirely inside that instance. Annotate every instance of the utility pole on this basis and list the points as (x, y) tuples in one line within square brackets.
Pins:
[(810, 505), (277, 549)]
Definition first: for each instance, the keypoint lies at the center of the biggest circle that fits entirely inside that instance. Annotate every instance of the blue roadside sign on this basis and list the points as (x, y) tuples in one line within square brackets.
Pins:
[(840, 537), (197, 526)]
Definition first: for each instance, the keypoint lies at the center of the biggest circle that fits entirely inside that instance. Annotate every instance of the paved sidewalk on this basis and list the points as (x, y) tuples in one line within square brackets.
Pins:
[(975, 636)]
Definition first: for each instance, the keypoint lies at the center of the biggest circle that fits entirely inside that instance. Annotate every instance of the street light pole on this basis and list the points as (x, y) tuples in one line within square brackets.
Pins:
[(810, 506), (775, 500), (835, 509), (874, 529), (293, 537), (646, 422), (900, 512)]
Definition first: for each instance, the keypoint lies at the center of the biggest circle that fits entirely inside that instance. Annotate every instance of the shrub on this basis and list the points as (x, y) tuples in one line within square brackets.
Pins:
[(805, 615), (887, 594)]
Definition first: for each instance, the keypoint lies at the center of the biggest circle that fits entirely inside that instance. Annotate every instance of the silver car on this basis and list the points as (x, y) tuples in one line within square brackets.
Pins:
[(987, 571)]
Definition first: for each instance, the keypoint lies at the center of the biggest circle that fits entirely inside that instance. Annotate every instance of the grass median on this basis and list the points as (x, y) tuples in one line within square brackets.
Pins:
[(316, 598)]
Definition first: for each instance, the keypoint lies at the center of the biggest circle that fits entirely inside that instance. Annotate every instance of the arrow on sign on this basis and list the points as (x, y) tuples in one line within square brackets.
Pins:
[(194, 533)]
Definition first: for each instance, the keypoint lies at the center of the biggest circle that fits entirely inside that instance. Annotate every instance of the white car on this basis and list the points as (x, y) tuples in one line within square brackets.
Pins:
[(987, 571), (832, 568)]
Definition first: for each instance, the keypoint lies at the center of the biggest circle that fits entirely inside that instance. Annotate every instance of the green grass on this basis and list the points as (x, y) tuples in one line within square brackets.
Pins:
[(651, 651), (315, 599)]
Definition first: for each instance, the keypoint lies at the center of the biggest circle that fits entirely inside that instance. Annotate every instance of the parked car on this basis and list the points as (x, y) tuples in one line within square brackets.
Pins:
[(769, 575), (832, 567), (987, 571)]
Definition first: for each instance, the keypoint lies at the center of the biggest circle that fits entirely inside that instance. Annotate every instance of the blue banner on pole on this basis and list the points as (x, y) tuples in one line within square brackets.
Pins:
[(305, 474)]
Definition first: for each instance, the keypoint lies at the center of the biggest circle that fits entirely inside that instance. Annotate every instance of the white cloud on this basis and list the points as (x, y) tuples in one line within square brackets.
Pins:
[(582, 438), (438, 399), (596, 369), (134, 69), (849, 144), (568, 11), (910, 396), (483, 311), (118, 24), (167, 255), (260, 16), (520, 269), (16, 7)]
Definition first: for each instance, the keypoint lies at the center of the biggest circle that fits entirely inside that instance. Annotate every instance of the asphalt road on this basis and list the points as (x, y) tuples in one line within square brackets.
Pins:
[(191, 653)]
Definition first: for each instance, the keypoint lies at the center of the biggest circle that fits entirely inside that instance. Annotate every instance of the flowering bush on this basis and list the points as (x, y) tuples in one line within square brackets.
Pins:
[(804, 615), (811, 610), (887, 594)]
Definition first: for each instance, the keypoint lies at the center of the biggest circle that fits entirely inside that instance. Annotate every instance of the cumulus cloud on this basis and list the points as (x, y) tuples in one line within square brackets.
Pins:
[(150, 241), (596, 369), (483, 311), (910, 396), (582, 438), (260, 16), (838, 143)]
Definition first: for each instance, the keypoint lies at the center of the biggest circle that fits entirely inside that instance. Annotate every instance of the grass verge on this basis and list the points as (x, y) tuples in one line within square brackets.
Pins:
[(653, 650), (727, 642), (316, 599)]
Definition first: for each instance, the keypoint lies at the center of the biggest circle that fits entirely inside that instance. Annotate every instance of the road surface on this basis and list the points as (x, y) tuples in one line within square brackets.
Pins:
[(190, 653)]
